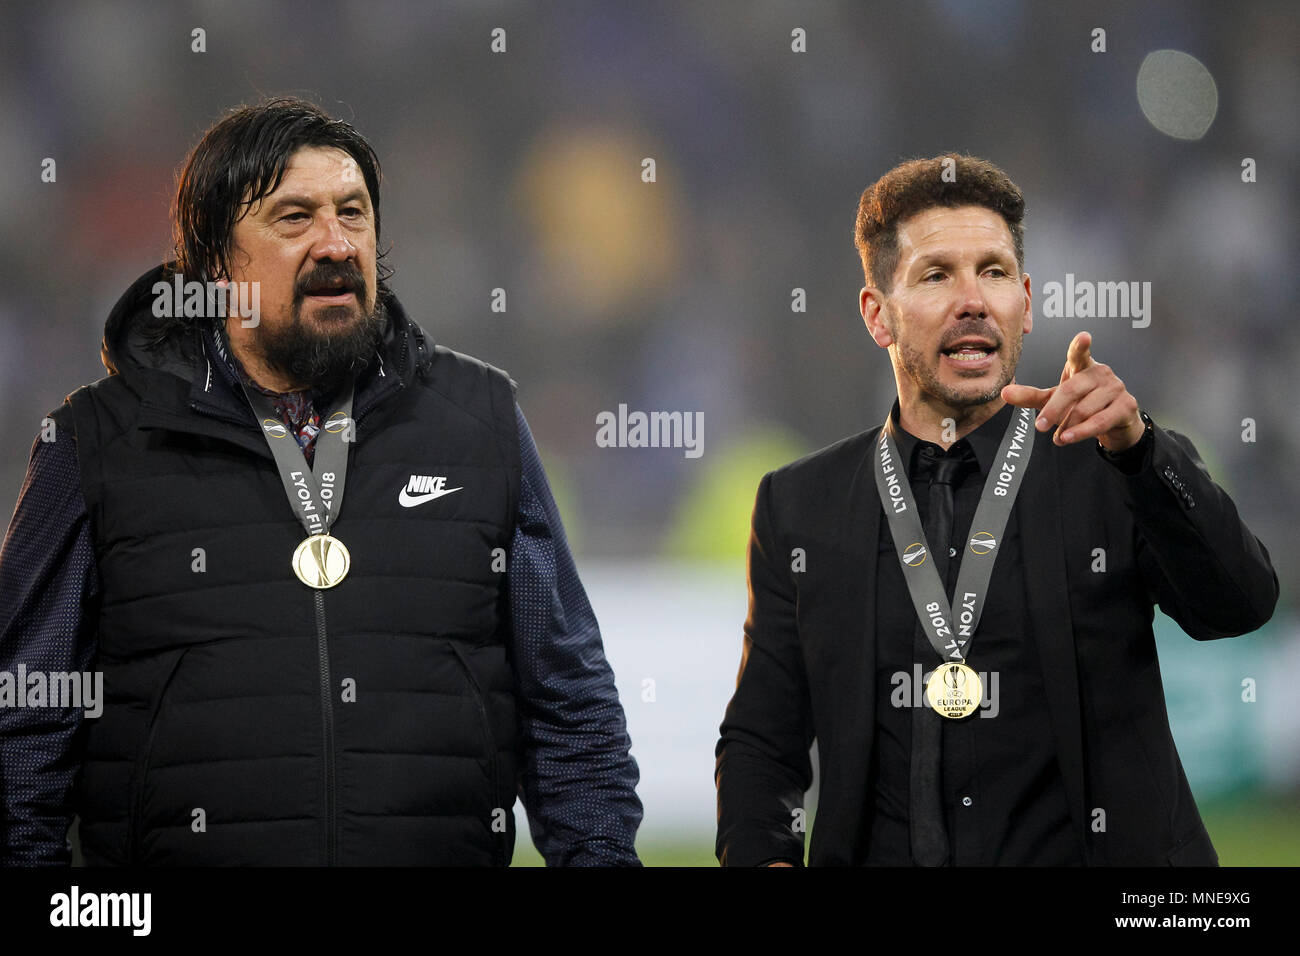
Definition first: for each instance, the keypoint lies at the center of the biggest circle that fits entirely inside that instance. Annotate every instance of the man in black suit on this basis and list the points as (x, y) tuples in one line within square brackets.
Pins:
[(1026, 729)]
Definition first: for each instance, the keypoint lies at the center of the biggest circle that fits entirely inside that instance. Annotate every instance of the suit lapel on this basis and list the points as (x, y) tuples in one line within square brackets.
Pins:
[(1038, 514)]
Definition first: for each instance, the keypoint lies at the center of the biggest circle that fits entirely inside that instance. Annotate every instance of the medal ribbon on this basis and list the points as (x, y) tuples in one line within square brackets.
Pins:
[(316, 497), (951, 637)]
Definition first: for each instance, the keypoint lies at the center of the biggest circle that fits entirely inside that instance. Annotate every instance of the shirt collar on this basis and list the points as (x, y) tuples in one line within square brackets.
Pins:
[(983, 441)]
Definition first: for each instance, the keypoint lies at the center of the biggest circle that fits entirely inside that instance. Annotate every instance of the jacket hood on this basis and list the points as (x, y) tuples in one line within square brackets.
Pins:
[(131, 325)]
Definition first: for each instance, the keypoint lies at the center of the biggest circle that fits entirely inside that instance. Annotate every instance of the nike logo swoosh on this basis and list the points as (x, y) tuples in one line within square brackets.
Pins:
[(414, 501)]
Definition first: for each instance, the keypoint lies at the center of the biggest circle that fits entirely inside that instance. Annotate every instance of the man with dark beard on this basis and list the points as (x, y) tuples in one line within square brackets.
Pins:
[(1028, 729), (314, 556)]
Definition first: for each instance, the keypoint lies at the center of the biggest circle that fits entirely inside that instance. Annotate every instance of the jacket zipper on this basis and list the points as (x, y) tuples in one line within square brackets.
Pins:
[(327, 722)]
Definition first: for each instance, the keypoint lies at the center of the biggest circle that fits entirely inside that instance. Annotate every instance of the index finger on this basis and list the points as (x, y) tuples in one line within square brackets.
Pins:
[(1079, 355)]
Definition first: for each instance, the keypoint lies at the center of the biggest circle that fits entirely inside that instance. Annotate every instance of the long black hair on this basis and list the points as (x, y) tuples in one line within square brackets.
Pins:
[(239, 161)]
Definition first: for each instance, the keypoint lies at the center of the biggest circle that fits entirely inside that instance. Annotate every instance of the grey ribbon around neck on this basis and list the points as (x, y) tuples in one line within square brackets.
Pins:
[(950, 636), (316, 497)]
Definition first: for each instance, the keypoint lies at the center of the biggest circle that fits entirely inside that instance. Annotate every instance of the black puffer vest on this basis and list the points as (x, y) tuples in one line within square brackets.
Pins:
[(250, 719)]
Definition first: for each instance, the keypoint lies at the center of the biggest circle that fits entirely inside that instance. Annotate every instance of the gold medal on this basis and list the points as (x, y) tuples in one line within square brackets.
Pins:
[(321, 561), (954, 690)]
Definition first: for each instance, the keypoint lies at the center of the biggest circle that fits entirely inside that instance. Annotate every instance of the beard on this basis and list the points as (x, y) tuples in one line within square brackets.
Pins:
[(325, 352), (922, 366)]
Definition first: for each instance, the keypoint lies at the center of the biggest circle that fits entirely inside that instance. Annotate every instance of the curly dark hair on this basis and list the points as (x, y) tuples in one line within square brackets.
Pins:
[(920, 184), (240, 160)]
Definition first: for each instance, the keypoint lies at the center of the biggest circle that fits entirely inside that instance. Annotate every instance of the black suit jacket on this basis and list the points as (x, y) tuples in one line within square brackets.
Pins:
[(1170, 537)]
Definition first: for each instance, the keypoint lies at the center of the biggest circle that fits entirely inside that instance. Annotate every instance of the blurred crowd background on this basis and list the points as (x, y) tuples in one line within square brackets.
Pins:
[(522, 171)]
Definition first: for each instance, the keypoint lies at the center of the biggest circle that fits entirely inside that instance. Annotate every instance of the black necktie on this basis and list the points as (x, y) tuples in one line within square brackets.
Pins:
[(926, 818)]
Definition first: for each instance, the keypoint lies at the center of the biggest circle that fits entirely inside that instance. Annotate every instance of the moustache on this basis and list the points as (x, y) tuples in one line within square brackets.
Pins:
[(332, 278)]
